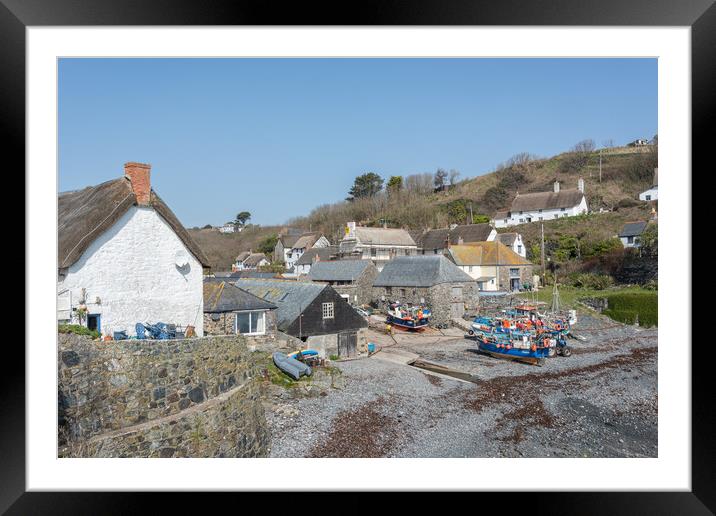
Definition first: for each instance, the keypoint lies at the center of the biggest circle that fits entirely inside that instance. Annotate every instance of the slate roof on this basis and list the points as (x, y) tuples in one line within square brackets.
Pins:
[(419, 271), (546, 200), (633, 229), (291, 297), (485, 253), (339, 270), (324, 253), (435, 238), (223, 296), (84, 215), (383, 236)]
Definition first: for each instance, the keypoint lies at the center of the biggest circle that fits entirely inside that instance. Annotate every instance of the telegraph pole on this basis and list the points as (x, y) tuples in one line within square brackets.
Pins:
[(542, 250), (600, 165)]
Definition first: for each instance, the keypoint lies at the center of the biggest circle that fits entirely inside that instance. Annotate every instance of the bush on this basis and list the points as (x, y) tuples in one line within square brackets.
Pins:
[(591, 281), (627, 306), (78, 330), (601, 247)]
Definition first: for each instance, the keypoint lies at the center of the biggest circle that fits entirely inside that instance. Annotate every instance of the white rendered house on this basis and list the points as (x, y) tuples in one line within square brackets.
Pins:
[(379, 245), (124, 258), (542, 206)]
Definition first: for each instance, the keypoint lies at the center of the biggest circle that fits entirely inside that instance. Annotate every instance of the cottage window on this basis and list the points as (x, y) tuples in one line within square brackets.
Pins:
[(648, 197), (373, 251), (519, 247), (402, 292), (556, 215), (389, 290), (630, 240), (250, 323), (514, 273), (328, 310), (470, 268), (457, 292), (563, 209)]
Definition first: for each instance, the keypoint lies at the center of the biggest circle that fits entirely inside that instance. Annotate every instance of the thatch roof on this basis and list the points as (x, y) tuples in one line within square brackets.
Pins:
[(547, 200), (420, 271), (83, 215)]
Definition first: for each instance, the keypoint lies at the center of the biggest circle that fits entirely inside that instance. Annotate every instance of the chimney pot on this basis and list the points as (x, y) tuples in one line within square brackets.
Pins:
[(138, 175)]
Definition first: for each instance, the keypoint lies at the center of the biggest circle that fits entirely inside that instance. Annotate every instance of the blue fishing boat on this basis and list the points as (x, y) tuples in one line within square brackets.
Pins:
[(408, 317)]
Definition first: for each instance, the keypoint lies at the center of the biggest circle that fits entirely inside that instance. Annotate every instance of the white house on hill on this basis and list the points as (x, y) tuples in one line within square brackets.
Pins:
[(534, 207), (379, 245), (124, 258), (652, 194)]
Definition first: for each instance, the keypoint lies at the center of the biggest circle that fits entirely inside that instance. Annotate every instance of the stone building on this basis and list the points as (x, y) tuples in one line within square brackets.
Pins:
[(352, 279), (493, 265), (432, 280), (230, 310), (124, 258)]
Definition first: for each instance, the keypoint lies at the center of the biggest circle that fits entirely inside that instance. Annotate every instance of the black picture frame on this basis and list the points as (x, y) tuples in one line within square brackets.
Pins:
[(700, 15)]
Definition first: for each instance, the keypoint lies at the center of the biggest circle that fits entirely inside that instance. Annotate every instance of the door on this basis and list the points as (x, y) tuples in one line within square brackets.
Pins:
[(456, 310), (93, 322), (347, 344)]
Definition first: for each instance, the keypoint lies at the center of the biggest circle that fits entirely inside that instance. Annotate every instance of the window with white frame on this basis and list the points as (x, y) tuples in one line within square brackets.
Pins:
[(327, 310), (250, 323)]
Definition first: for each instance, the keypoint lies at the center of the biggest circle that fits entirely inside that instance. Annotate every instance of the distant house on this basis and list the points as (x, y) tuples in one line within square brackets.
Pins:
[(230, 310), (652, 194), (638, 143), (514, 242), (285, 242), (534, 207), (312, 312), (249, 260), (376, 244), (493, 265), (124, 258), (290, 247), (302, 266), (432, 280), (352, 279), (436, 241), (229, 227), (630, 235)]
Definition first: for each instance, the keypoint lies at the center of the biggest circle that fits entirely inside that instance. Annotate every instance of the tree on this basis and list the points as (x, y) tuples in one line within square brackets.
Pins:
[(366, 185), (454, 175), (439, 179), (268, 244), (395, 184), (584, 147), (242, 217)]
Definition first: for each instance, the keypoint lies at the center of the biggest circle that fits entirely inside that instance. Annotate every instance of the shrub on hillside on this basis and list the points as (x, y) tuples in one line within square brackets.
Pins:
[(601, 247), (591, 281)]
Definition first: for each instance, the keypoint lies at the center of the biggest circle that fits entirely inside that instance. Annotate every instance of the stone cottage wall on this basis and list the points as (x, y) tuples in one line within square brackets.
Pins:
[(191, 397), (438, 298)]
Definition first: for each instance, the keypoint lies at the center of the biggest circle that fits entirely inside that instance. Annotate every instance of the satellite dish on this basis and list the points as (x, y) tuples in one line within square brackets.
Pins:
[(181, 259)]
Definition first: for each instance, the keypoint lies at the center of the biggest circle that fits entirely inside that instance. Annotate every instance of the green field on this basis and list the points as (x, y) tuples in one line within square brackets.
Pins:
[(624, 303)]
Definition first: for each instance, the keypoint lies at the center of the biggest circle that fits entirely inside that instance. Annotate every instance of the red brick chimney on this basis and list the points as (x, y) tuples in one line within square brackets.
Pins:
[(138, 175)]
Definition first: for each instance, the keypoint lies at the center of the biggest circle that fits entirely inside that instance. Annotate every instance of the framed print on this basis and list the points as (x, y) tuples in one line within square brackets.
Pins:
[(414, 249)]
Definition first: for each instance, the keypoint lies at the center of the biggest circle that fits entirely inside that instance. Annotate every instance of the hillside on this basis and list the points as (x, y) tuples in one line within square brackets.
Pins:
[(222, 248), (625, 171)]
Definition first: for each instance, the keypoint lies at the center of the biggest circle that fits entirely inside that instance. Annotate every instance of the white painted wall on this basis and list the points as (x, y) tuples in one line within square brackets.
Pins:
[(480, 271), (131, 269), (653, 193), (544, 215)]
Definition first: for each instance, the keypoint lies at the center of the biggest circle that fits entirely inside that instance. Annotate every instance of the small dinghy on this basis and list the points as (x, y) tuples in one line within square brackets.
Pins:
[(291, 366)]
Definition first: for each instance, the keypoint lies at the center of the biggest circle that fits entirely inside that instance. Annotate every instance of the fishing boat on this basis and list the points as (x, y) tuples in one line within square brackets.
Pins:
[(408, 317)]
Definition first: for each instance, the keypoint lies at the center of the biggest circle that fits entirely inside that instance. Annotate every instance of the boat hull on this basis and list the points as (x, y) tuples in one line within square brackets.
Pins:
[(407, 324)]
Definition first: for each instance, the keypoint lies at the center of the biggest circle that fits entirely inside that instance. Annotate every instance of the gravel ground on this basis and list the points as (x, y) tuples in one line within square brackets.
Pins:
[(600, 402)]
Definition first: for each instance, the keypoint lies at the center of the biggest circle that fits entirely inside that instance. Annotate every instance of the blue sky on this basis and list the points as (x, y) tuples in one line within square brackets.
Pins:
[(277, 137)]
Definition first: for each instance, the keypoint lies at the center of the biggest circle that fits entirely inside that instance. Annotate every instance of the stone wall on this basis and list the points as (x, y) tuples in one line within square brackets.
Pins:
[(438, 298), (224, 324), (191, 397)]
